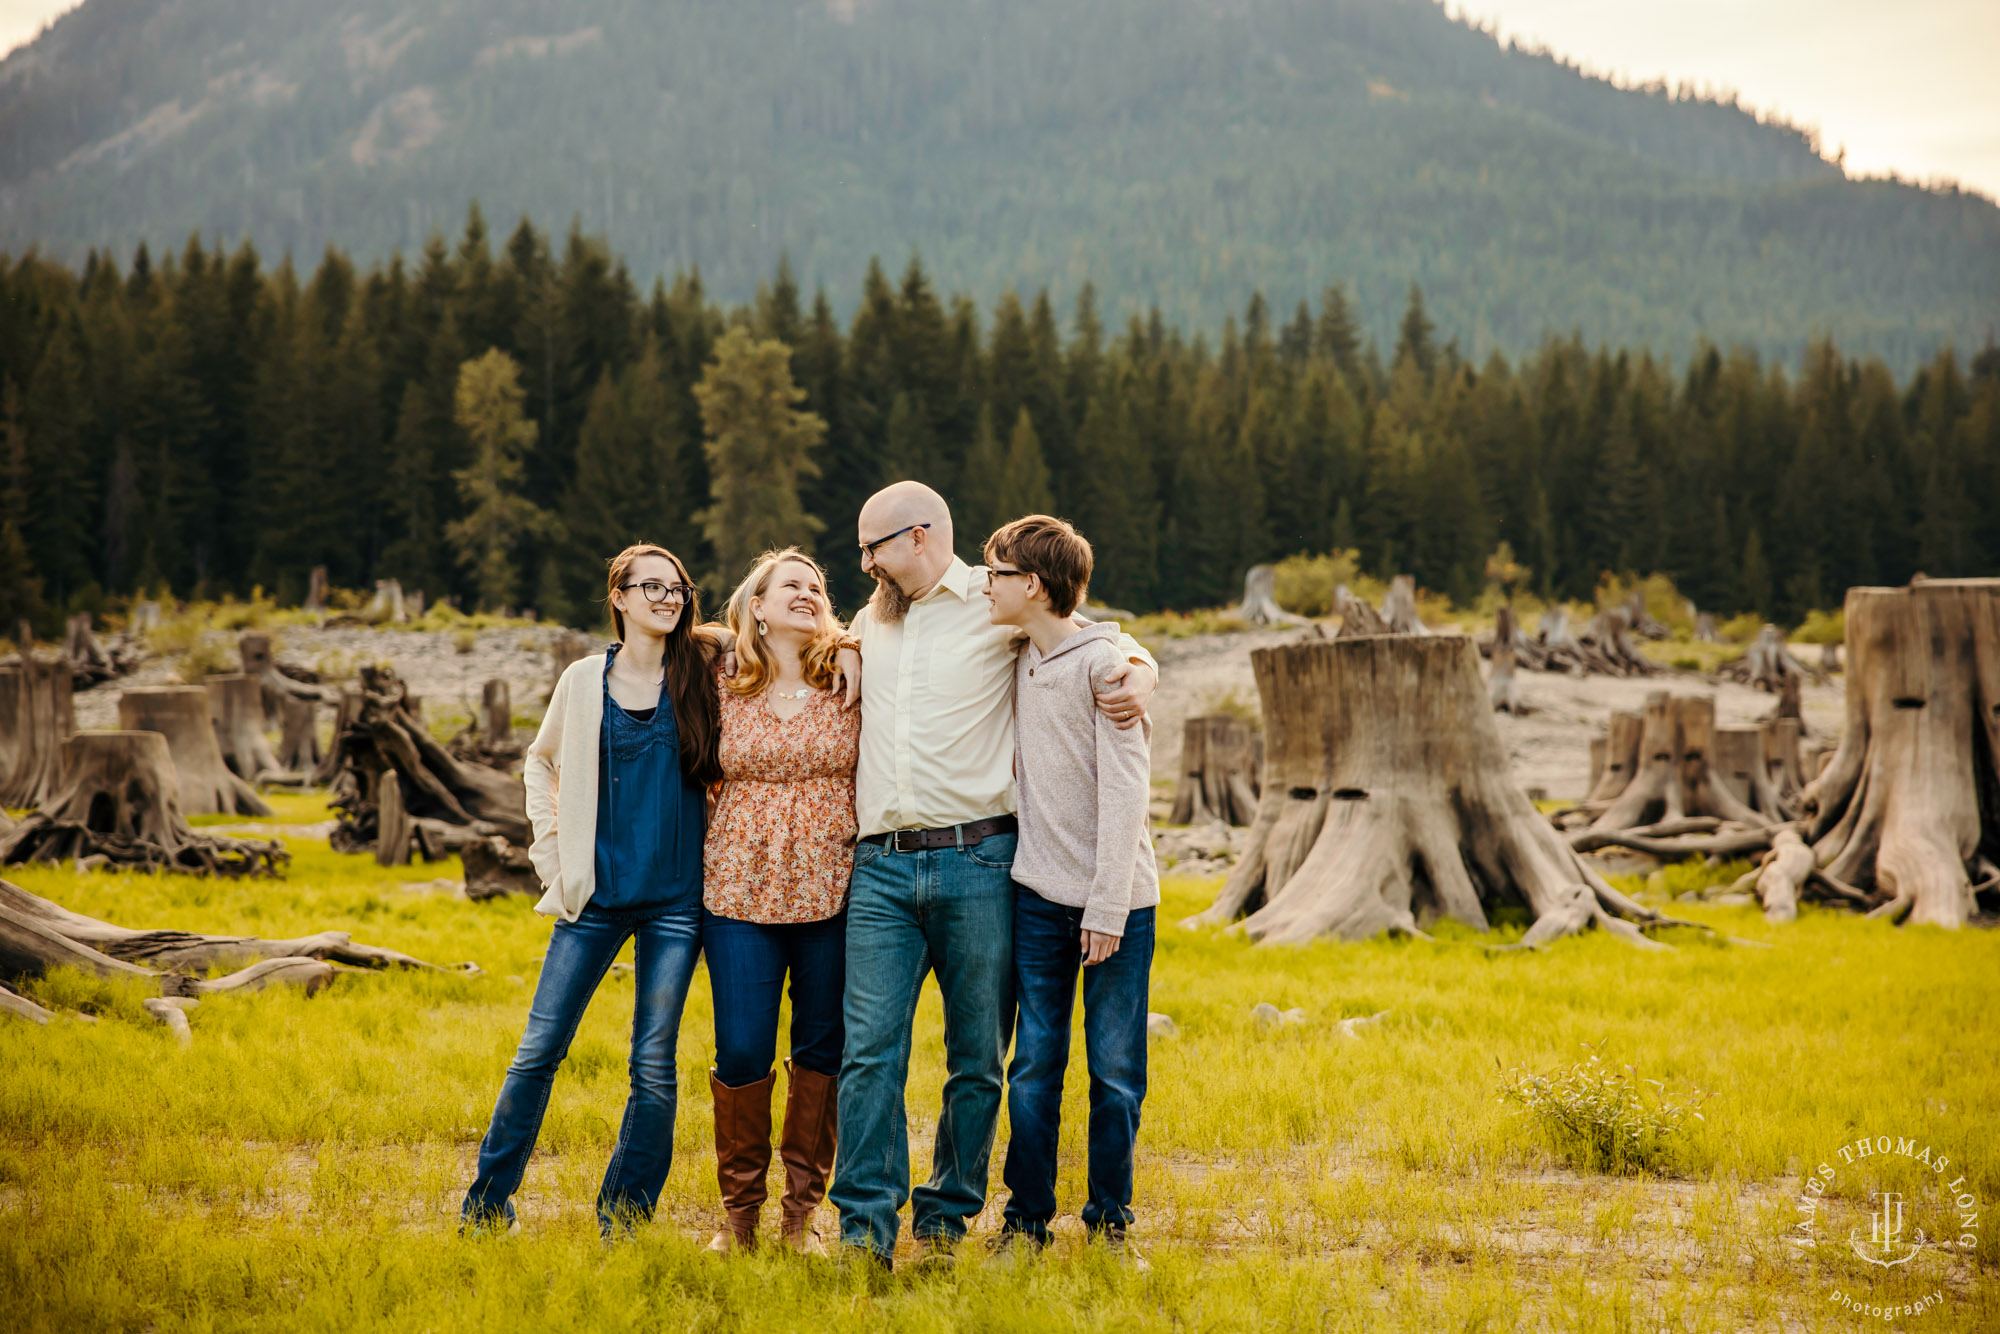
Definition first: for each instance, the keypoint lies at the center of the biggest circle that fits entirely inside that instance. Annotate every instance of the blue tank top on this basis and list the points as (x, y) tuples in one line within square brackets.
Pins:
[(649, 814)]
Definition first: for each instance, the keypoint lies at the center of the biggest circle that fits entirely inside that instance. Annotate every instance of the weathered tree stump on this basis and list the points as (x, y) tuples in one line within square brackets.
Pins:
[(1768, 662), (120, 801), (493, 867), (145, 619), (1399, 607), (1215, 773), (180, 714), (38, 712), (567, 648), (1607, 646), (1674, 777), (1356, 616), (386, 605), (298, 743), (1501, 688), (1387, 805), (488, 738), (347, 711), (392, 822), (1704, 628), (1260, 601), (316, 589), (91, 662), (385, 736), (236, 703), (1907, 813), (1641, 620), (1829, 658), (1621, 755)]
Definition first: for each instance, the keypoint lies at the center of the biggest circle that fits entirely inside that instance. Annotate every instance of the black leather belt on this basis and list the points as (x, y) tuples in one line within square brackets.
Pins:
[(965, 835)]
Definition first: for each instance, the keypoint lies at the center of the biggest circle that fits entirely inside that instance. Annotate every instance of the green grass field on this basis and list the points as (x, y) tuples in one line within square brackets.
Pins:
[(300, 1165)]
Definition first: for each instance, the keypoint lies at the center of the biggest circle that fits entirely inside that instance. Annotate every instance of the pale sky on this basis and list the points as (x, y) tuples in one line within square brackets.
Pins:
[(1909, 87)]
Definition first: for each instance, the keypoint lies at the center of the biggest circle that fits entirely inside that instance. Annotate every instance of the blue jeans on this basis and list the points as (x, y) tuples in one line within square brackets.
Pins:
[(951, 912), (747, 964), (1048, 951), (580, 953)]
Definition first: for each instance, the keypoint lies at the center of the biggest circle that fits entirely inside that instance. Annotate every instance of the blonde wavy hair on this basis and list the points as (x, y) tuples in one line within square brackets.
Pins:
[(756, 668)]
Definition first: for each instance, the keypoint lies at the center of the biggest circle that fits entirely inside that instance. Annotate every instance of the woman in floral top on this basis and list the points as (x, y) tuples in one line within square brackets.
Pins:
[(779, 854)]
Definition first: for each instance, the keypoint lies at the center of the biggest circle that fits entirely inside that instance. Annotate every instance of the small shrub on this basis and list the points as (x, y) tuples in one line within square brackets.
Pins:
[(465, 639), (1606, 1118), (1823, 627), (337, 665), (1304, 584), (209, 655), (1231, 703), (1740, 629)]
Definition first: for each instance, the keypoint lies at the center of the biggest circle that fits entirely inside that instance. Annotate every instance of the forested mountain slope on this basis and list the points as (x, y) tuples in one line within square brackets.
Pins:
[(1179, 152)]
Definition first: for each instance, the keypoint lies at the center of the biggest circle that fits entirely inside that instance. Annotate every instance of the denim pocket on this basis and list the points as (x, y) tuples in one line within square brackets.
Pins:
[(995, 852), (865, 852)]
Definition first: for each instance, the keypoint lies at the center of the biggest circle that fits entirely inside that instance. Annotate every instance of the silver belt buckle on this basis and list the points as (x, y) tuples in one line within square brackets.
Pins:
[(896, 840)]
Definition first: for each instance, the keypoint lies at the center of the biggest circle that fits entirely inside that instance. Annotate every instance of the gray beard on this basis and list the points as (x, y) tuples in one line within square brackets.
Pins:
[(890, 603)]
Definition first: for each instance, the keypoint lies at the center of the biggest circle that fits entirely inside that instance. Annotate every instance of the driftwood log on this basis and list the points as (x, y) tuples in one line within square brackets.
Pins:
[(1906, 815), (119, 805), (37, 715), (1216, 773), (37, 935), (446, 800), (1387, 805), (180, 714), (91, 661), (493, 867)]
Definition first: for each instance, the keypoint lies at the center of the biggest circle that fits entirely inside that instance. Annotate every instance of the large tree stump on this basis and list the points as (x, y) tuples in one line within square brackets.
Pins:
[(180, 714), (39, 715), (1908, 810), (1387, 804), (347, 711), (385, 736), (120, 802), (1215, 773), (236, 703), (1356, 616)]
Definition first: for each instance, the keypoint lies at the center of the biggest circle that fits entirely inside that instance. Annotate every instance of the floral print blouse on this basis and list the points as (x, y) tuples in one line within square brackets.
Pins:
[(781, 843)]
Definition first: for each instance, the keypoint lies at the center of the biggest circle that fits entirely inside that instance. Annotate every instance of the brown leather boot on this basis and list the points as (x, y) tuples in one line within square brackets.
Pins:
[(806, 1148), (742, 1157)]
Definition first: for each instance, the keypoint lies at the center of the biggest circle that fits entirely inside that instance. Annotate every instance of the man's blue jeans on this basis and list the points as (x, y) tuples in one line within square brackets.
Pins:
[(949, 911), (580, 953), (1048, 949)]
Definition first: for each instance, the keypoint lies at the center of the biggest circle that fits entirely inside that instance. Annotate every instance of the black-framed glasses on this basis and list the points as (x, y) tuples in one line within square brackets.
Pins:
[(992, 574), (656, 592), (868, 548)]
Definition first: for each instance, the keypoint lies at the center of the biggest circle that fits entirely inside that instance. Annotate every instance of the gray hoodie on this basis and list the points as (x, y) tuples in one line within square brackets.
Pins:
[(1083, 783)]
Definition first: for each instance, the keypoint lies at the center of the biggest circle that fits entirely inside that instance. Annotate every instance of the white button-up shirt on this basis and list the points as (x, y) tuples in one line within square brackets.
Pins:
[(937, 709)]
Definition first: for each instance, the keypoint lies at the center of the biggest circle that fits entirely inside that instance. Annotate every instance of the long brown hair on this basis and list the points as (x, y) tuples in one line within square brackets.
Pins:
[(688, 684), (755, 667)]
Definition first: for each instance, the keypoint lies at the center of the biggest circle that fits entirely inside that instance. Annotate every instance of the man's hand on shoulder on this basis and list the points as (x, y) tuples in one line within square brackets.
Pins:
[(1128, 689), (847, 675)]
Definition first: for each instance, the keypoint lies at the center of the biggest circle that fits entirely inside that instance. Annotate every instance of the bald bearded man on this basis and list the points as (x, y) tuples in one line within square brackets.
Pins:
[(932, 889)]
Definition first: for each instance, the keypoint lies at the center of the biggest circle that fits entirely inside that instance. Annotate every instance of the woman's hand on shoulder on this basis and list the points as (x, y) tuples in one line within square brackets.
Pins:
[(847, 675)]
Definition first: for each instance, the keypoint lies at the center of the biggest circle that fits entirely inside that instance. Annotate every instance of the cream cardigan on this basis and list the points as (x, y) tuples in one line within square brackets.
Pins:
[(562, 813)]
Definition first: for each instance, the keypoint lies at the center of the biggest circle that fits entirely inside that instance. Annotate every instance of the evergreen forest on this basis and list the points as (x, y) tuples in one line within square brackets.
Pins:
[(492, 419)]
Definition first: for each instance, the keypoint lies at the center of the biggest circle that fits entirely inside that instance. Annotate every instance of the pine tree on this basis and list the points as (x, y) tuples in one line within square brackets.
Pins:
[(759, 446), (20, 583), (1337, 336), (498, 516), (1024, 481), (1117, 510), (1414, 339), (61, 473), (976, 512)]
